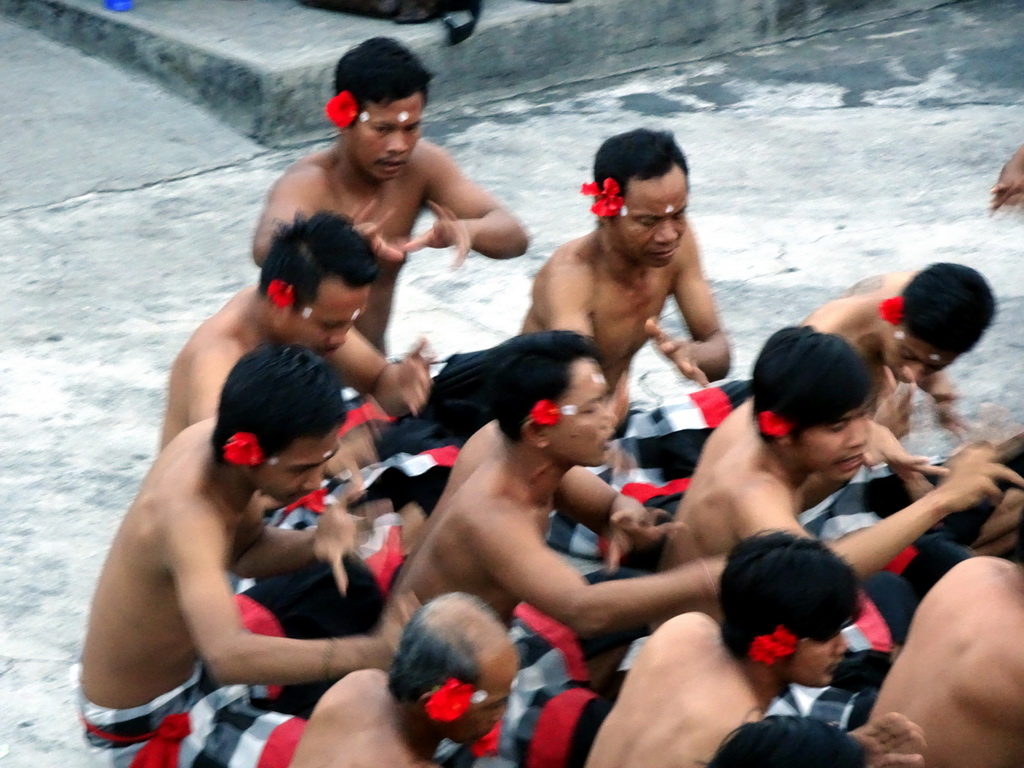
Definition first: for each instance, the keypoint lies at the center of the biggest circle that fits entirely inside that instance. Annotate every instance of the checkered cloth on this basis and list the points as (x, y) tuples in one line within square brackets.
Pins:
[(202, 723)]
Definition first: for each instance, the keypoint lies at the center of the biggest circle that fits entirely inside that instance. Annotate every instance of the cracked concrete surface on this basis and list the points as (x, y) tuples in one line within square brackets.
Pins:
[(125, 218)]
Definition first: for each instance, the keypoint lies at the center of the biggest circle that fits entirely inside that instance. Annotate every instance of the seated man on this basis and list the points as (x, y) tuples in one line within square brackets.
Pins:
[(784, 599), (809, 415), (960, 676), (164, 631), (379, 168), (612, 284), (787, 741), (486, 536), (910, 326), (313, 286), (450, 679), (1009, 188)]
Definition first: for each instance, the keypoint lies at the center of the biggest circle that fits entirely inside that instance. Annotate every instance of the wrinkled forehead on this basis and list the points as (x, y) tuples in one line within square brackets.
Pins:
[(407, 110), (337, 301), (658, 196)]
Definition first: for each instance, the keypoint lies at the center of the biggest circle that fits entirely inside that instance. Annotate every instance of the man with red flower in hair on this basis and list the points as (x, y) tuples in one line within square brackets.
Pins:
[(381, 175), (784, 600), (450, 680), (612, 284), (167, 661)]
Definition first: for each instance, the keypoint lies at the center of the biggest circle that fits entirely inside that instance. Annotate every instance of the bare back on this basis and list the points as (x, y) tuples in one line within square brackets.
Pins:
[(682, 697), (961, 674)]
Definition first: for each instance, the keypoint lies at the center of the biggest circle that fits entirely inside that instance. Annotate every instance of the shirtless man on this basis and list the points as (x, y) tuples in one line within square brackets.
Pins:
[(378, 163), (909, 326), (164, 630), (609, 284), (784, 599), (313, 286), (810, 396), (1009, 188), (960, 675), (486, 535), (398, 719)]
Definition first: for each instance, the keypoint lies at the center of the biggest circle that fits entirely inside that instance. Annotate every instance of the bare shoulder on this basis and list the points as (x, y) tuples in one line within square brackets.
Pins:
[(309, 170), (689, 630), (991, 576), (357, 695), (573, 259)]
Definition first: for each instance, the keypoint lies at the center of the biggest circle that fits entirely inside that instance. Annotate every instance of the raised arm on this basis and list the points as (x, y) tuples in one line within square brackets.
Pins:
[(535, 574), (710, 348)]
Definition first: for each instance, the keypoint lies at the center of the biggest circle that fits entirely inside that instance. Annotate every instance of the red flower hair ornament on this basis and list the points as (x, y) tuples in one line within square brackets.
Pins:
[(280, 293), (342, 109), (547, 413), (451, 700), (773, 425), (768, 649), (609, 198), (243, 449), (891, 310)]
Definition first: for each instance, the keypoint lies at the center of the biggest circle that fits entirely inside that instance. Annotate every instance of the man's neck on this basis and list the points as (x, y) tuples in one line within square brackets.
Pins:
[(350, 177), (416, 731), (256, 322), (764, 683), (529, 474), (781, 466), (614, 264), (228, 487)]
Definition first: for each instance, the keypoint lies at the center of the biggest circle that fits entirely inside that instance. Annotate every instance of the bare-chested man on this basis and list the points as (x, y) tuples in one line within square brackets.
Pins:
[(960, 675), (809, 416), (378, 163), (164, 630), (486, 536), (313, 286), (610, 284), (1009, 187), (450, 679), (909, 326), (784, 599)]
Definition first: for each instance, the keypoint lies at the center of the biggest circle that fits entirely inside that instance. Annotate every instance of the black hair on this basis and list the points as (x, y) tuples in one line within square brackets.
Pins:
[(808, 377), (381, 70), (789, 741), (948, 306), (305, 252), (533, 367), (778, 578), (639, 154), (279, 394), (434, 647)]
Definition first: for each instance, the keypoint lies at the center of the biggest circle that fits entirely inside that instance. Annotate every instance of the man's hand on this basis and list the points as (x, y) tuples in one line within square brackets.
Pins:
[(412, 376), (372, 232), (679, 352), (895, 405), (448, 231), (884, 448), (633, 527), (891, 740), (973, 474), (1009, 188), (335, 538)]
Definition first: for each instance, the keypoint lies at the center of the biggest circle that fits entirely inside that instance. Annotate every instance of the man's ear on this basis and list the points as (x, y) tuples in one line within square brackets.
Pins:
[(534, 435)]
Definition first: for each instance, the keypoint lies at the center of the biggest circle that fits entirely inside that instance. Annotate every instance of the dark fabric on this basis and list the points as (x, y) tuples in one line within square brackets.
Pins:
[(895, 599), (593, 716)]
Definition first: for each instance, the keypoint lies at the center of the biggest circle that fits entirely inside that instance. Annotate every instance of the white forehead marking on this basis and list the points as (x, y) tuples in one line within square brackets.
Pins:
[(478, 696), (327, 454), (623, 211), (899, 334), (669, 208), (272, 460), (307, 312), (357, 313), (403, 116), (597, 377), (934, 357), (364, 116), (568, 410)]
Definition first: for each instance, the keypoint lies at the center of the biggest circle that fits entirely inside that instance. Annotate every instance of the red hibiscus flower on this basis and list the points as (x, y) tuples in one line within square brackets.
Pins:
[(342, 109), (773, 425), (891, 310), (768, 649), (488, 745), (243, 448), (450, 701), (546, 413), (281, 293), (609, 200)]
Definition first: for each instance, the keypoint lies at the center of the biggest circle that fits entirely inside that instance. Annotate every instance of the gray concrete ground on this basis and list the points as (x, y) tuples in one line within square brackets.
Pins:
[(125, 216)]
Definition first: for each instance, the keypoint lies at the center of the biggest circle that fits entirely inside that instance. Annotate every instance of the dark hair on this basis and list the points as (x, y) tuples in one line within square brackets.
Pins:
[(639, 154), (777, 578), (279, 394), (789, 741), (434, 647), (381, 70), (305, 252), (533, 367), (948, 306), (808, 377)]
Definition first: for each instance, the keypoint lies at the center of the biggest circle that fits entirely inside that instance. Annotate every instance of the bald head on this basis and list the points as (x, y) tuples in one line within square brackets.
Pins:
[(449, 637)]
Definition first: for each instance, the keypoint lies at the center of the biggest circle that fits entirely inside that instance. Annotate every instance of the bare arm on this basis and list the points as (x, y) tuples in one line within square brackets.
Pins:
[(532, 573), (299, 191), (561, 296), (196, 543), (268, 551), (1009, 188), (710, 350)]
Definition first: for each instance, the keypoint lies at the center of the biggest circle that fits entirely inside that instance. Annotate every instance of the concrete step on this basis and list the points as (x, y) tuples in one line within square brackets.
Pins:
[(265, 66)]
